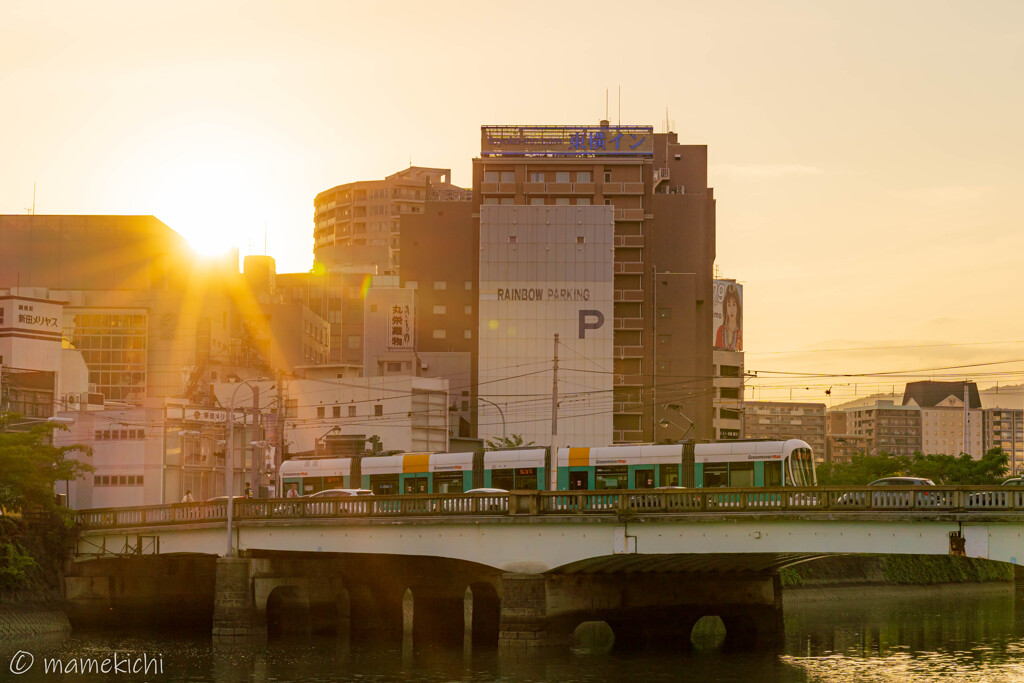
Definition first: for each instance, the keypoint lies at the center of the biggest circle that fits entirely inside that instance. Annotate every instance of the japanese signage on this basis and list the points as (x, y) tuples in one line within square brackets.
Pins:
[(727, 315), (400, 334), (567, 141), (31, 315)]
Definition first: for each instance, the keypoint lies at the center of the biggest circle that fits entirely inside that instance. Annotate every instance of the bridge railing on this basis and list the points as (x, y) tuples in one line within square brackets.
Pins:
[(620, 502)]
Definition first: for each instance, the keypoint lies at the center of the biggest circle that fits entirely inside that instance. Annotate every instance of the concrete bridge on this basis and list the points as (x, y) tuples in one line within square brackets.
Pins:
[(520, 569)]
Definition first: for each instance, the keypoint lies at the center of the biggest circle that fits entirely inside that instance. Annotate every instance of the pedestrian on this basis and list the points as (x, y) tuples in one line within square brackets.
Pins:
[(248, 490), (293, 492), (187, 498)]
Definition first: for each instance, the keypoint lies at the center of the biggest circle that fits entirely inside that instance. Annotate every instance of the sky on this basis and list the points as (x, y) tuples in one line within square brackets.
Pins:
[(866, 157)]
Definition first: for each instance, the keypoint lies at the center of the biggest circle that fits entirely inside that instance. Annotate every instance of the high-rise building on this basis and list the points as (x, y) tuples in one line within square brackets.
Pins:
[(943, 416), (604, 234), (884, 427), (1004, 428), (363, 217), (779, 421)]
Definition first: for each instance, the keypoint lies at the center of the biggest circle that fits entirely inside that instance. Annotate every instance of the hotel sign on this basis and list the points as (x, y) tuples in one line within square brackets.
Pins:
[(566, 141)]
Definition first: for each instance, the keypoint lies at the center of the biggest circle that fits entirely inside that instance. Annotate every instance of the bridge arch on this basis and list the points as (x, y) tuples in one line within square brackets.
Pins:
[(287, 611), (481, 614)]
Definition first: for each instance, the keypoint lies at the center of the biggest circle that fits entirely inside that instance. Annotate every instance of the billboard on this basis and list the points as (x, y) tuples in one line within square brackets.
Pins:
[(727, 314), (547, 270)]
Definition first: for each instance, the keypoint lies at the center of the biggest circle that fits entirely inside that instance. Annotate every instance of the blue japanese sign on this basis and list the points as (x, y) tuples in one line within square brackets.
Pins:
[(567, 141)]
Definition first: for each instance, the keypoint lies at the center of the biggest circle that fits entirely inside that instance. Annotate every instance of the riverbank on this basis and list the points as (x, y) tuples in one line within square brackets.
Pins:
[(32, 618), (860, 571)]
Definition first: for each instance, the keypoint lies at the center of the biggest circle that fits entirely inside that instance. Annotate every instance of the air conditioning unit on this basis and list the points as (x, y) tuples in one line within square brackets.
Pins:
[(680, 189), (424, 366), (73, 401)]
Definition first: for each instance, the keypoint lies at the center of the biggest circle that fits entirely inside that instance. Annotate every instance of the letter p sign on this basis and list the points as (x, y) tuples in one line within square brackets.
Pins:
[(590, 320)]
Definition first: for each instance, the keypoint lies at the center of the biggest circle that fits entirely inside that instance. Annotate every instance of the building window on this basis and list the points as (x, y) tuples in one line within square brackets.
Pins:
[(320, 411), (607, 176), (508, 176), (440, 284), (490, 201), (536, 176), (580, 239), (469, 285), (468, 310), (729, 392), (468, 334), (440, 310), (336, 411), (561, 176), (353, 341), (508, 201), (394, 367), (351, 411), (562, 201), (727, 414), (412, 284), (583, 201), (491, 176), (730, 371), (582, 176), (440, 334), (378, 410), (511, 239)]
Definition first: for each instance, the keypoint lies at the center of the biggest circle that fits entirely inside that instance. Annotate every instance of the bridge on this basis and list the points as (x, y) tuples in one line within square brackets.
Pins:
[(523, 568)]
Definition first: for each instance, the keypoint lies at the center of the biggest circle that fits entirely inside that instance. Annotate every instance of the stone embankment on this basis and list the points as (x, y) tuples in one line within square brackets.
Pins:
[(24, 615)]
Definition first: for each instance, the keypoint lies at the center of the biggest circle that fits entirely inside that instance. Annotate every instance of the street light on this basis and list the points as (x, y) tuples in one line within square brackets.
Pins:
[(229, 468), (504, 436), (665, 423)]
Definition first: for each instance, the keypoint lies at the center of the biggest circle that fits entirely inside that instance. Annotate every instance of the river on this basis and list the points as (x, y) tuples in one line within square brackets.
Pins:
[(970, 634)]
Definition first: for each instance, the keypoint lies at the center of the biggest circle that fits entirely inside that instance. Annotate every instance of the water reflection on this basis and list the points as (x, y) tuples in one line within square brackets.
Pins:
[(861, 636)]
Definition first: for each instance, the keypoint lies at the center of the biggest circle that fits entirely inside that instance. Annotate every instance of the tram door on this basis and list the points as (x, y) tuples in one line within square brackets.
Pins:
[(416, 485), (644, 479), (579, 481)]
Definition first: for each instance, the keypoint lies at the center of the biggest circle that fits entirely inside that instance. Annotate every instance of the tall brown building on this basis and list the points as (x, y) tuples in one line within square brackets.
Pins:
[(535, 231)]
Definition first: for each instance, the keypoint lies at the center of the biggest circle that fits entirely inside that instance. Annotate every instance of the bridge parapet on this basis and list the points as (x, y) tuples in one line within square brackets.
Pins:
[(541, 503)]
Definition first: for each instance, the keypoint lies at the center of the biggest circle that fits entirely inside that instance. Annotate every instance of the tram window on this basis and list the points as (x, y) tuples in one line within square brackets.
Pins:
[(579, 481), (384, 484), (334, 482), (716, 474), (525, 479), (773, 474), (448, 482), (610, 478), (312, 486), (668, 475), (741, 474), (416, 485), (502, 479), (644, 479)]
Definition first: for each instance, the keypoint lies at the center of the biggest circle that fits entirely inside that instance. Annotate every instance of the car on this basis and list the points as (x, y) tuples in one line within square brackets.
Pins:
[(496, 491), (902, 481), (487, 499), (1014, 481), (880, 499), (339, 493)]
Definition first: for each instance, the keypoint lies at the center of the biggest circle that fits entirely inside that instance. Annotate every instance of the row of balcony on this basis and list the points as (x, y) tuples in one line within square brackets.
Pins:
[(632, 188)]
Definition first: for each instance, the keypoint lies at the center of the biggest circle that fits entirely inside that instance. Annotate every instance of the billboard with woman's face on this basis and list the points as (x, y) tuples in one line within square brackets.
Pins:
[(727, 315)]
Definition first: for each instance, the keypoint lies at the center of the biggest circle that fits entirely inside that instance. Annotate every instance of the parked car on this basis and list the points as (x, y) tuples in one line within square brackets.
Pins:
[(1014, 481), (890, 499), (489, 499)]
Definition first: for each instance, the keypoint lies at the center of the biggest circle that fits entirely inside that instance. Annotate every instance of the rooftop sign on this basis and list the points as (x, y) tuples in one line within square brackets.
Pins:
[(566, 141)]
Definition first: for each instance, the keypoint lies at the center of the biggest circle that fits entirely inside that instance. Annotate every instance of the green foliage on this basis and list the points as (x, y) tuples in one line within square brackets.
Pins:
[(30, 466), (15, 564), (791, 578), (514, 441), (949, 470), (931, 569)]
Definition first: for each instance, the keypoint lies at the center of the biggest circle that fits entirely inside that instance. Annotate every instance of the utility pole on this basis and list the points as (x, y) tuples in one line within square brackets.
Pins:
[(554, 418), (257, 465), (281, 410), (967, 408)]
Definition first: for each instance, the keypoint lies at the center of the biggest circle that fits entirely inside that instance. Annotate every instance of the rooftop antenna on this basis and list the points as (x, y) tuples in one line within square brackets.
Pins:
[(620, 105), (606, 104)]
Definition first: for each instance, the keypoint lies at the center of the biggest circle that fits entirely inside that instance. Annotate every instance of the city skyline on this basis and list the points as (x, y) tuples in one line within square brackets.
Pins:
[(864, 169)]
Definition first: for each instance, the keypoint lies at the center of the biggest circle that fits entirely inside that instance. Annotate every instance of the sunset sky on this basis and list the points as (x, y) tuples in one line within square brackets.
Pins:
[(866, 156)]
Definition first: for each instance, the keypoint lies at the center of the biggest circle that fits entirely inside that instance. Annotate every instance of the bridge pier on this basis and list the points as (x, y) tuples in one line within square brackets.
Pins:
[(643, 609), (233, 607), (524, 612)]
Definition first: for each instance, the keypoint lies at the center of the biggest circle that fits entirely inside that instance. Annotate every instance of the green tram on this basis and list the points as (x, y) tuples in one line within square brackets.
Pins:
[(732, 463)]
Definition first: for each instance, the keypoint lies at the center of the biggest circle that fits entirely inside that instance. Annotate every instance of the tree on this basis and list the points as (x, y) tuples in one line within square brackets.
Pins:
[(30, 466), (514, 441), (949, 470)]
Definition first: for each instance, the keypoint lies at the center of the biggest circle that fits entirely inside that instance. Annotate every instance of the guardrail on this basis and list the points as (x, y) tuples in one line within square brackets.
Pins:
[(634, 502)]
